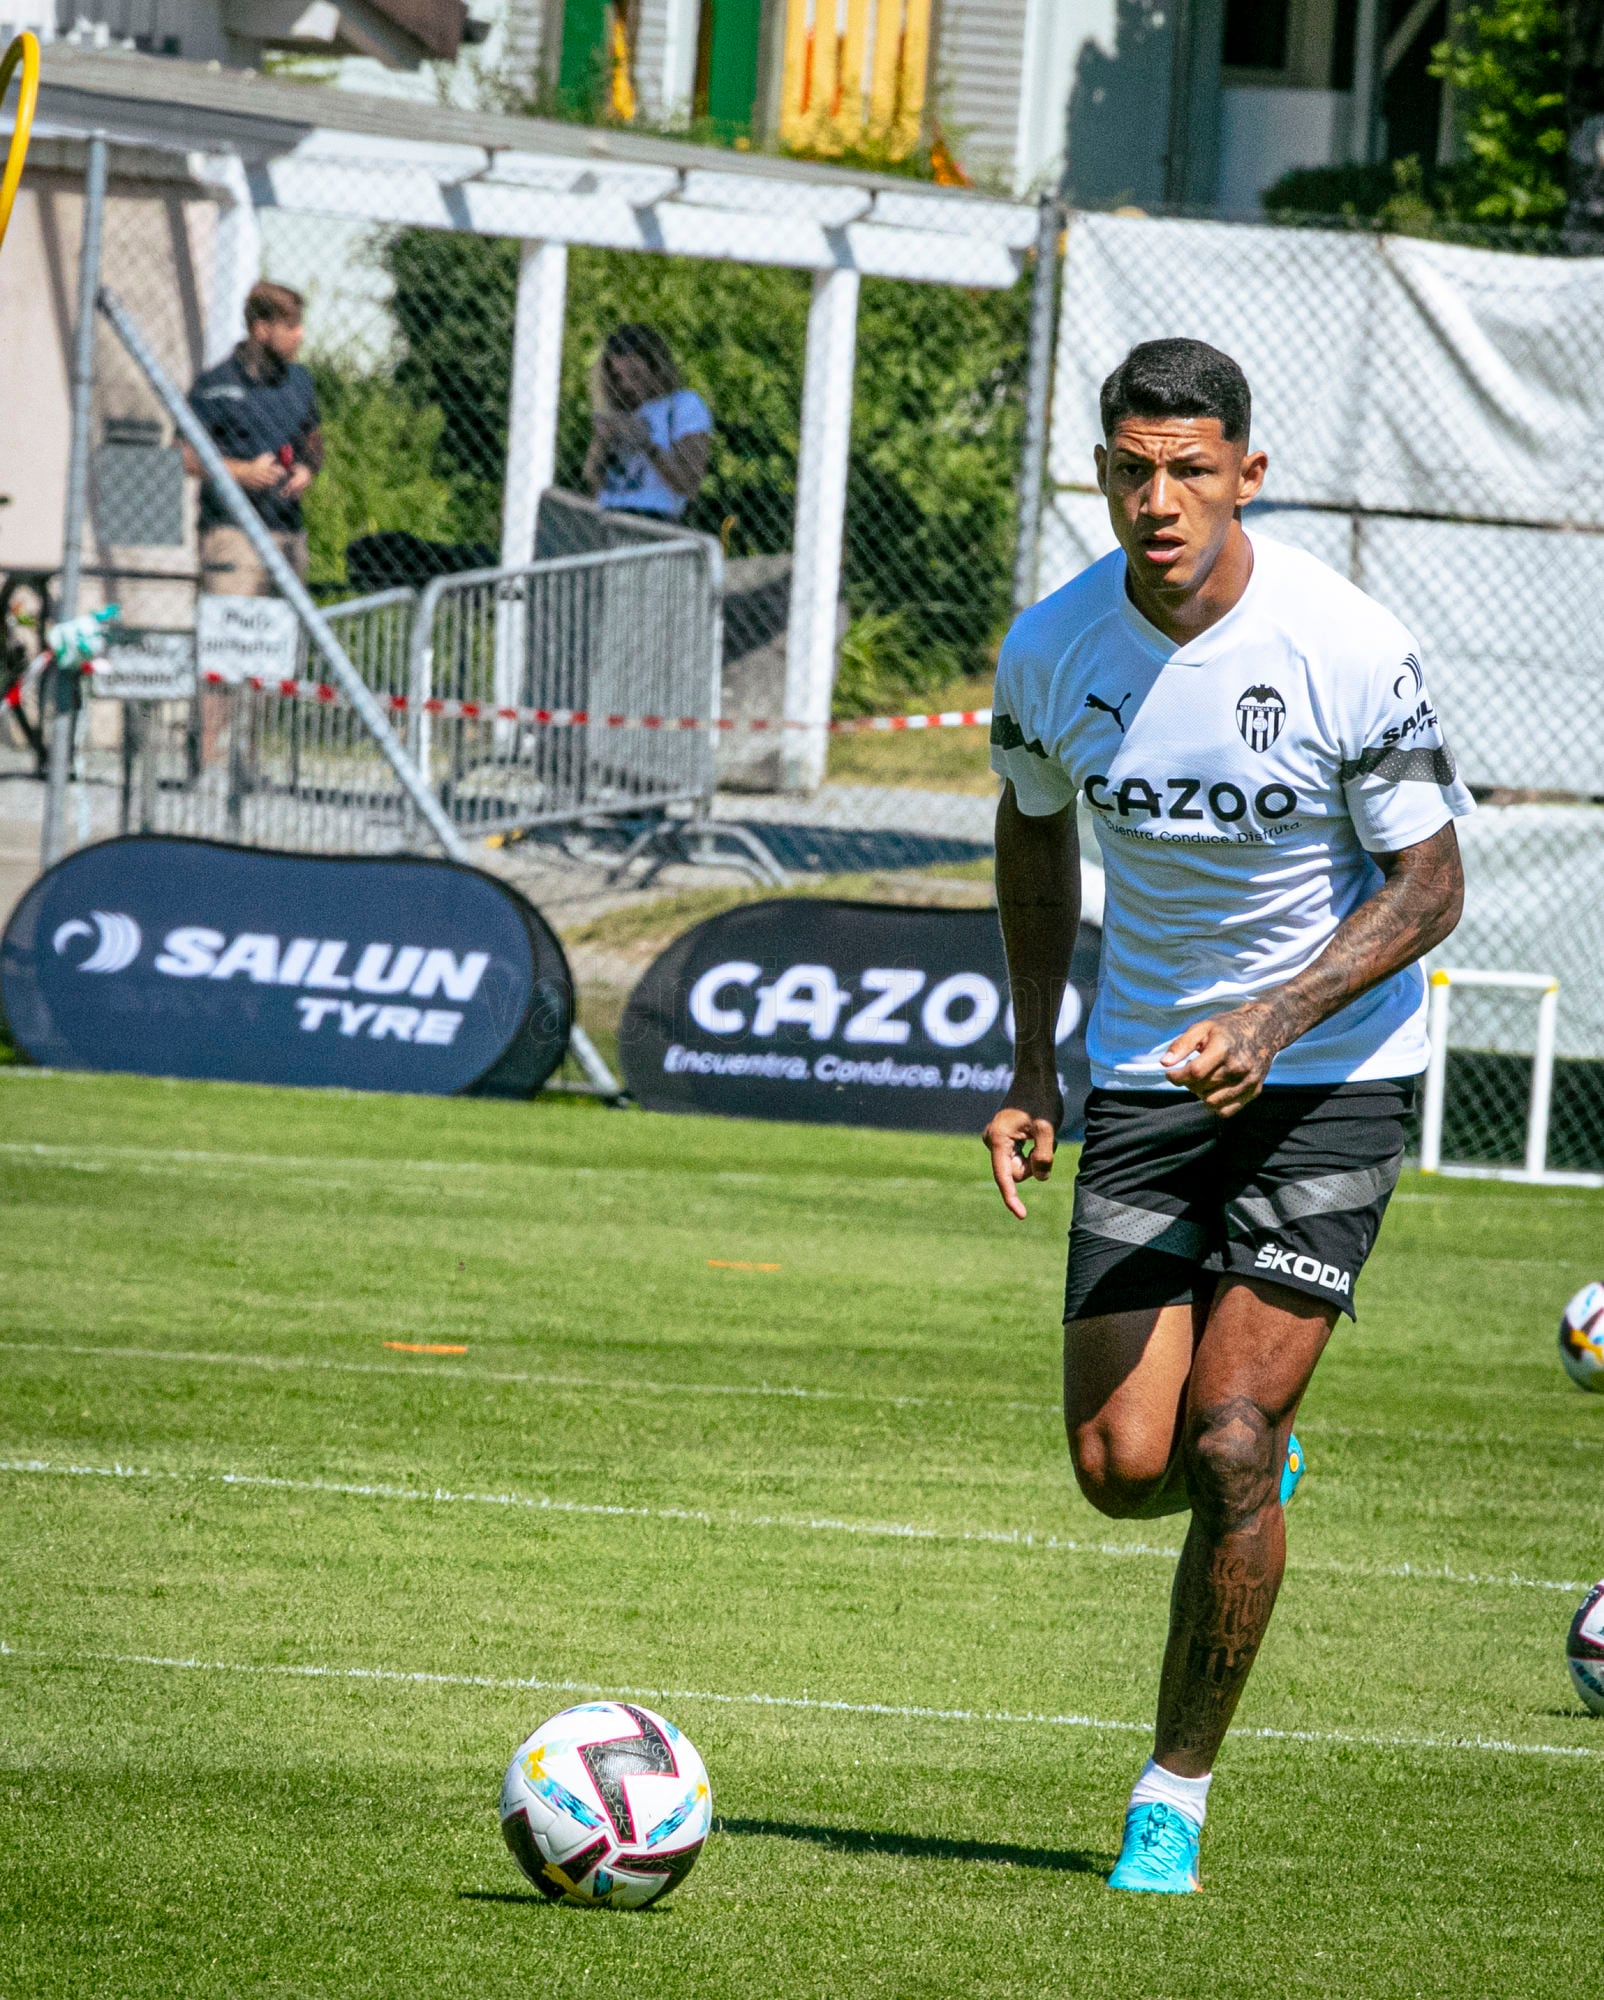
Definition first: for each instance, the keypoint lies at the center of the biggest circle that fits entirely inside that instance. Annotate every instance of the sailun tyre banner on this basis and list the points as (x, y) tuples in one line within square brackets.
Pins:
[(174, 957), (842, 1014)]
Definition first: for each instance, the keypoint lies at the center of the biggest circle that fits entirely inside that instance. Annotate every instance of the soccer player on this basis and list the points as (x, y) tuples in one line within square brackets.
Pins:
[(1274, 802)]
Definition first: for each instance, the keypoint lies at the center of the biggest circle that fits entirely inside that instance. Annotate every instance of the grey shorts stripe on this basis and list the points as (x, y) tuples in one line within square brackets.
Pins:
[(1141, 1228), (1357, 1188)]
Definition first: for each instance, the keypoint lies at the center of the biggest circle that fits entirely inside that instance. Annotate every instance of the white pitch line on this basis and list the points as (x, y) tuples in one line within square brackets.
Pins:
[(427, 1370), (1014, 1538), (541, 1504), (179, 1157), (894, 1711), (189, 1156)]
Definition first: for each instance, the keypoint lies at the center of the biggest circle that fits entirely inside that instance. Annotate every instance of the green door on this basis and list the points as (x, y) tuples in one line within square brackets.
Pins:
[(582, 75), (732, 61)]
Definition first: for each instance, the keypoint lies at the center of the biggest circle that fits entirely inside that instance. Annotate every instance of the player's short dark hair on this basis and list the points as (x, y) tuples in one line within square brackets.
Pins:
[(1179, 378)]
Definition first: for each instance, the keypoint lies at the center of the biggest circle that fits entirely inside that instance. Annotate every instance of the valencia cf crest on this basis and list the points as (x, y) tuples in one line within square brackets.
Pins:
[(1259, 715)]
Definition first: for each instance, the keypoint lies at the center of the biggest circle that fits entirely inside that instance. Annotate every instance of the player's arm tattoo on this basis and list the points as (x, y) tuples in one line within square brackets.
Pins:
[(1415, 908), (1038, 906)]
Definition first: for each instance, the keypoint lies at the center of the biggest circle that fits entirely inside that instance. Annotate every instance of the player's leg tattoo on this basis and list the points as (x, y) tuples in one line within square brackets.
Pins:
[(1226, 1584), (1253, 1363)]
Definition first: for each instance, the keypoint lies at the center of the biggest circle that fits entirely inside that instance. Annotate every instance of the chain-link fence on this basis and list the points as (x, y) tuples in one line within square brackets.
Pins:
[(411, 339), (1414, 399)]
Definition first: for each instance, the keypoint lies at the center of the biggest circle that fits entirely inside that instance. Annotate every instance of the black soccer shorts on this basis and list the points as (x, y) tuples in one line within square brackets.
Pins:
[(1292, 1189)]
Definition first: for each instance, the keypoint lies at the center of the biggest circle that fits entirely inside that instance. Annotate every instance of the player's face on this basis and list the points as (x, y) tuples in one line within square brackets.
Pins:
[(1174, 485)]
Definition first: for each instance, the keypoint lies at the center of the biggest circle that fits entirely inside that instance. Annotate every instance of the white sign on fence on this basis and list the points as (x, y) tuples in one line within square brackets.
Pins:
[(244, 638), (146, 666)]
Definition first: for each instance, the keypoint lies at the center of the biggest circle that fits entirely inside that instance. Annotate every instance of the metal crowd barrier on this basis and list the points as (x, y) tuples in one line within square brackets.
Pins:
[(467, 670), (250, 764), (622, 631)]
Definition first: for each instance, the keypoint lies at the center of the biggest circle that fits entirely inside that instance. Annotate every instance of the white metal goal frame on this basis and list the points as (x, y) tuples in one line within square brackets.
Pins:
[(1544, 988)]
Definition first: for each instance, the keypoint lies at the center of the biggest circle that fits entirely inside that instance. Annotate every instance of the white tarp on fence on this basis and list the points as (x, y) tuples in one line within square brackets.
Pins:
[(1433, 417), (1387, 373)]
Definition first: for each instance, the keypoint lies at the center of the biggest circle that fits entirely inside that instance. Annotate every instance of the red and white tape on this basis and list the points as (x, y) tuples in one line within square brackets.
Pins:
[(324, 694)]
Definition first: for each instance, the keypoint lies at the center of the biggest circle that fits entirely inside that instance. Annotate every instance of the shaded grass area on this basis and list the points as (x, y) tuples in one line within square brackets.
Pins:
[(657, 922), (841, 1481), (942, 760)]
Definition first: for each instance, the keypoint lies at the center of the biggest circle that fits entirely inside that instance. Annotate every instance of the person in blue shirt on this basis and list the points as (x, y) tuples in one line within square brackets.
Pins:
[(649, 438), (260, 407)]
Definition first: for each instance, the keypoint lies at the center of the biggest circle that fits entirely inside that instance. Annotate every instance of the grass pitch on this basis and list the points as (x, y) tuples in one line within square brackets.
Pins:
[(271, 1583)]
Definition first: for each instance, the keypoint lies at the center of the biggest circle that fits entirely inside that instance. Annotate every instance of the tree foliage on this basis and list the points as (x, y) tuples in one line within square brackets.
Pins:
[(1505, 65), (380, 453), (935, 436)]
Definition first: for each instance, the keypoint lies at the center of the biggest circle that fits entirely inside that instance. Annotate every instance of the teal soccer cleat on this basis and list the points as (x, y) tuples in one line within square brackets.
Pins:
[(1292, 1471), (1160, 1852)]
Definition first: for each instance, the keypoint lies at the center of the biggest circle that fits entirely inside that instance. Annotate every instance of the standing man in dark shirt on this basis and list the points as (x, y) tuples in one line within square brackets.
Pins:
[(261, 410)]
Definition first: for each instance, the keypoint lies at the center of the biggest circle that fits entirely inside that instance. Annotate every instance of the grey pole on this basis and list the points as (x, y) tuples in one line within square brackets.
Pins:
[(290, 586), (1038, 395), (63, 691)]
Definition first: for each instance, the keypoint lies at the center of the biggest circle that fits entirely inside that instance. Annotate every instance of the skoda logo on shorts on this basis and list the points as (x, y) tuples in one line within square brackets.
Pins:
[(1259, 715), (116, 940)]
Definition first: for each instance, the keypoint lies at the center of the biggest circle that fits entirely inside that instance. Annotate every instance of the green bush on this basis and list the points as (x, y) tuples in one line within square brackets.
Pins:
[(1505, 65), (1506, 68), (379, 457), (931, 496), (1389, 195)]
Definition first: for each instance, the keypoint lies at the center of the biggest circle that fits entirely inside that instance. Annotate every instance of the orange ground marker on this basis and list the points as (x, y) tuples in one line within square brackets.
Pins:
[(423, 1347), (730, 1264)]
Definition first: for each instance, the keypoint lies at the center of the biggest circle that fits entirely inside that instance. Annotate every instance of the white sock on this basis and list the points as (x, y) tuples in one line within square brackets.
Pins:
[(1187, 1795)]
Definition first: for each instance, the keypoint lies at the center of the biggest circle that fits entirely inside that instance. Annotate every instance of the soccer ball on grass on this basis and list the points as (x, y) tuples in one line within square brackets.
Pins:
[(606, 1803), (1584, 1649), (1581, 1337)]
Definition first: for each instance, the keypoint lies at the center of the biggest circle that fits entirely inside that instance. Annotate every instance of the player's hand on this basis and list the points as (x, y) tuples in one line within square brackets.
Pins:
[(1224, 1060), (1030, 1118), (296, 481)]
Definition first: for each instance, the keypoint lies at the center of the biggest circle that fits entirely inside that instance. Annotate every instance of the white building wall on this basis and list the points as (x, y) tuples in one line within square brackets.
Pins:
[(665, 58), (976, 79), (38, 16), (1265, 131), (1055, 33)]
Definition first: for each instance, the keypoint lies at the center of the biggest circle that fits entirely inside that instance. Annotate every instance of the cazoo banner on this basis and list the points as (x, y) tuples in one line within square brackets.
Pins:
[(843, 1014), (173, 957)]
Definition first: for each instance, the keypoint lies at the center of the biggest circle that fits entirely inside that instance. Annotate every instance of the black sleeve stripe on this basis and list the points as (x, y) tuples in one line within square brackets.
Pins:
[(1006, 734), (1427, 767)]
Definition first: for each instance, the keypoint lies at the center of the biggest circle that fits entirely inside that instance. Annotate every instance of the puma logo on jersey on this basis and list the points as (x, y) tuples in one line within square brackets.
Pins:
[(1288, 1265), (1096, 701)]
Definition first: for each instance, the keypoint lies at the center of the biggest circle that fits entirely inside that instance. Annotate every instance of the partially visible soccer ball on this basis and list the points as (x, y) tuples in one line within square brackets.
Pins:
[(1584, 1649), (1581, 1337), (606, 1803)]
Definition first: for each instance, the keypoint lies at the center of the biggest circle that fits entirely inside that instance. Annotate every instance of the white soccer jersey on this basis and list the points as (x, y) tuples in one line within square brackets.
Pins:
[(1240, 784)]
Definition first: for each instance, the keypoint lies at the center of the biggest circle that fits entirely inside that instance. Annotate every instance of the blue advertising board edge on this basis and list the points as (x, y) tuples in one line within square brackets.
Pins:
[(531, 918)]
